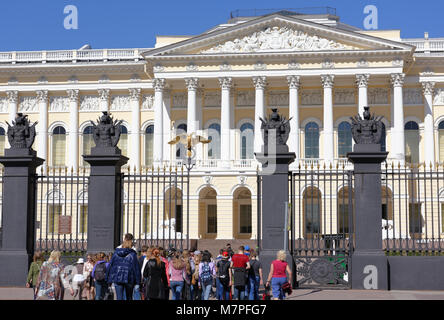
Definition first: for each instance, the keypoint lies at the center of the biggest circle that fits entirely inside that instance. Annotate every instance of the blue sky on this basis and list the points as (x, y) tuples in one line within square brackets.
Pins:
[(39, 25)]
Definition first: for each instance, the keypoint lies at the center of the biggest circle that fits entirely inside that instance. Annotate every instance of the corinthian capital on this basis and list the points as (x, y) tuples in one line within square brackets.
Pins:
[(134, 94), (362, 80), (226, 82), (192, 83), (12, 96), (428, 87), (42, 95), (73, 95), (294, 82), (104, 94), (158, 84), (260, 82), (327, 80), (397, 79)]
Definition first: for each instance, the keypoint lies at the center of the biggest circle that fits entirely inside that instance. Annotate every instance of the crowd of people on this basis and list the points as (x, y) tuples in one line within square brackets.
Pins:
[(159, 274)]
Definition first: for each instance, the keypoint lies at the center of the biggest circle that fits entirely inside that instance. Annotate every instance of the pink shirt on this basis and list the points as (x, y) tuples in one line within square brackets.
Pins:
[(177, 274), (279, 269)]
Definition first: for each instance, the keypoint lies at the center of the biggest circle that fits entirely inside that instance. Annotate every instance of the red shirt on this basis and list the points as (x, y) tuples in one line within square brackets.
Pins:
[(279, 269), (239, 260)]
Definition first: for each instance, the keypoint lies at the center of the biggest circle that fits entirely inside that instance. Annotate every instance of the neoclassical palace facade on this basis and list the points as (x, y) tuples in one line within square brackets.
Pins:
[(313, 68)]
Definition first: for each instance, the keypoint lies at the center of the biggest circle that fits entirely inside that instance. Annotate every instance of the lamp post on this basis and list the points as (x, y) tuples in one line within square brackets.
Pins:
[(190, 141)]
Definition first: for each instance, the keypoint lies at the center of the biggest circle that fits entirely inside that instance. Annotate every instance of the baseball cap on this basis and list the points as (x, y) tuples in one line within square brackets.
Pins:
[(224, 254), (247, 247)]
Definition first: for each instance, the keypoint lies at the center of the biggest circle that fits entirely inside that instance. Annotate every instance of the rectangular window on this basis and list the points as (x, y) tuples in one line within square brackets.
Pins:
[(212, 218), (146, 221), (123, 144), (54, 212), (2, 144), (83, 219), (245, 218), (179, 218), (384, 211), (415, 218), (312, 217), (58, 149), (88, 143)]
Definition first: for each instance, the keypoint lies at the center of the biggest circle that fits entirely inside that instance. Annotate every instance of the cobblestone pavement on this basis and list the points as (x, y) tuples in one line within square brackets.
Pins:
[(300, 294)]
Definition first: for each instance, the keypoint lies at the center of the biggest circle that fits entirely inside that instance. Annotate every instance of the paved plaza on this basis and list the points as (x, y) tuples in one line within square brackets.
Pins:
[(301, 294)]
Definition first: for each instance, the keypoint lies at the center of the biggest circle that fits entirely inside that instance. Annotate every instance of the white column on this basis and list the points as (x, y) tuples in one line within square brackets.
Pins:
[(362, 83), (73, 133), (104, 99), (293, 97), (192, 84), (135, 129), (327, 83), (159, 86), (42, 126), (259, 111), (168, 132), (429, 137), (398, 145), (225, 120), (13, 104)]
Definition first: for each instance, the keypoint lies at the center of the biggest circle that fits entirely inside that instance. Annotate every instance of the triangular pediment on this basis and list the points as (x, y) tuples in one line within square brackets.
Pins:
[(276, 33)]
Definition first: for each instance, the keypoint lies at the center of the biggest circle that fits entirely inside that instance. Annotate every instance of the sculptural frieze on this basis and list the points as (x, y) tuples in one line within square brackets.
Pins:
[(106, 133), (367, 130), (21, 134)]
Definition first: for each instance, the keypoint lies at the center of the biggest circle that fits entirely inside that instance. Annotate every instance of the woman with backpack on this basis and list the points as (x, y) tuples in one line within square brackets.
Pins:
[(177, 273), (156, 282), (99, 276), (223, 276), (207, 273), (196, 291), (186, 291), (51, 280), (124, 270)]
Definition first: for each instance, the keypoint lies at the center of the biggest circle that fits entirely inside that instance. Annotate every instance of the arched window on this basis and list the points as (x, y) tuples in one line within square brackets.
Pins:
[(343, 210), (441, 141), (123, 142), (344, 139), (312, 140), (214, 145), (149, 138), (2, 141), (383, 138), (181, 152), (411, 142), (87, 142), (247, 141), (58, 146), (312, 212)]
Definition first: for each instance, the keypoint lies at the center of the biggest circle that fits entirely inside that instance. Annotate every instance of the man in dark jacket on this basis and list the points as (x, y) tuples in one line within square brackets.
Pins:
[(124, 271)]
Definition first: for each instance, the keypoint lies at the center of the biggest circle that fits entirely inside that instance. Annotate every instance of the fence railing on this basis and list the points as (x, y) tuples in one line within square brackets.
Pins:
[(62, 210), (156, 207), (413, 209), (1, 204)]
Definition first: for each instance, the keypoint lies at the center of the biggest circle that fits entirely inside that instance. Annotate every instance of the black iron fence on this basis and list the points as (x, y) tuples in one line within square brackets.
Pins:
[(156, 207), (413, 209), (62, 210)]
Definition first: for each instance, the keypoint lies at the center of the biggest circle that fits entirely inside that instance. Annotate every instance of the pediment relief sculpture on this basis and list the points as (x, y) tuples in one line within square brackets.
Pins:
[(277, 39)]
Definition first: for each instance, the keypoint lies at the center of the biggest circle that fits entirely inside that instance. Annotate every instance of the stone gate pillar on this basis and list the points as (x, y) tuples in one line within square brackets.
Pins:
[(19, 203), (105, 187), (369, 263), (275, 160)]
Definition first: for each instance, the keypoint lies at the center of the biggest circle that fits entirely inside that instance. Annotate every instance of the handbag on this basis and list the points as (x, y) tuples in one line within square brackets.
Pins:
[(286, 288)]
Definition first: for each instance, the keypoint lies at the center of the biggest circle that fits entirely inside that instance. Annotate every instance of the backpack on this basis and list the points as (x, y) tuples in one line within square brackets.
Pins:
[(223, 272), (100, 272), (206, 276)]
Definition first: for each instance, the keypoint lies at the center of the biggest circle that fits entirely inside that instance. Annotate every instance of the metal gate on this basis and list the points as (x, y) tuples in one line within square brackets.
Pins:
[(155, 207), (321, 226)]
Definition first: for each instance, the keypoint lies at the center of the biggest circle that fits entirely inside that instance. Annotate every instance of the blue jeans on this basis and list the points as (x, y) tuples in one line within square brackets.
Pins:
[(276, 284), (176, 288), (254, 282), (222, 291), (136, 292), (206, 289), (101, 289), (239, 292), (124, 289)]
